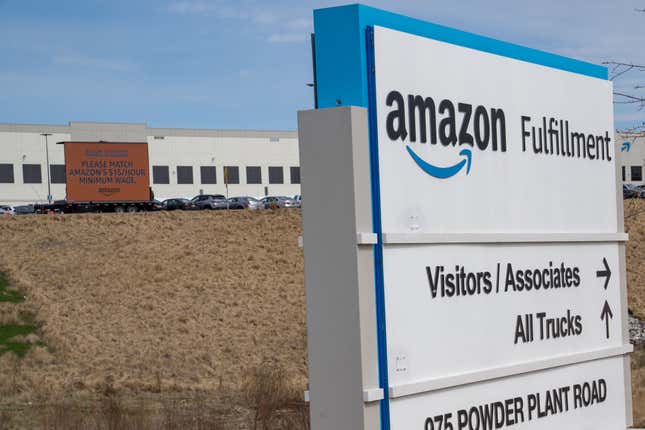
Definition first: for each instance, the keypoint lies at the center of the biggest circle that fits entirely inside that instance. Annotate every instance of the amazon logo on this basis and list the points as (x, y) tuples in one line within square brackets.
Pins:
[(416, 118)]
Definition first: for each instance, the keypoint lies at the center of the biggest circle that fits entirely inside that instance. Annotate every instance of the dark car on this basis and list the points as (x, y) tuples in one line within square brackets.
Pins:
[(640, 189), (157, 205), (630, 192), (245, 202), (24, 209), (178, 204), (210, 201)]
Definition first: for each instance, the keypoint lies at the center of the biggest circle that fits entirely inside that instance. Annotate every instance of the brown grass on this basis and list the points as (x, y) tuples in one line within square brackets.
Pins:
[(272, 400), (271, 406), (635, 226), (178, 309), (108, 414), (159, 302), (638, 386)]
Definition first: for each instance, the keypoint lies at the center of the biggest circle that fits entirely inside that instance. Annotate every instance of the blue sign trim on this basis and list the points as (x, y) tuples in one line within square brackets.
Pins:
[(378, 229), (341, 59)]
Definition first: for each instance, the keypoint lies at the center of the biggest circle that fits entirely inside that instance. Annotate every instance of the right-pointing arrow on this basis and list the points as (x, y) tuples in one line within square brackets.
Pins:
[(606, 314), (604, 273)]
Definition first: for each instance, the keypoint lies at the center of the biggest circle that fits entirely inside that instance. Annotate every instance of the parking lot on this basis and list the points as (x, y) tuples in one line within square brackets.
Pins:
[(199, 202)]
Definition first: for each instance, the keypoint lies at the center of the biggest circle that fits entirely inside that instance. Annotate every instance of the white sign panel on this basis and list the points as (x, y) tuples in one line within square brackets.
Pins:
[(459, 308), (475, 142), (585, 397), (494, 335)]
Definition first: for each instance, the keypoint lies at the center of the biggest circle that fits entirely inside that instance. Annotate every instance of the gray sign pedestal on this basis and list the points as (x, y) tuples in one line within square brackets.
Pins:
[(339, 269)]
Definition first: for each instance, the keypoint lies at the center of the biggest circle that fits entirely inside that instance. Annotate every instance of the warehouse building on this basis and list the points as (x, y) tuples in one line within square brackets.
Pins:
[(631, 157), (187, 162), (183, 162)]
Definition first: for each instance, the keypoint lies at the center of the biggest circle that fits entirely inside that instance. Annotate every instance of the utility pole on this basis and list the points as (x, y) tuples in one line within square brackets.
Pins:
[(49, 187), (226, 183), (313, 63)]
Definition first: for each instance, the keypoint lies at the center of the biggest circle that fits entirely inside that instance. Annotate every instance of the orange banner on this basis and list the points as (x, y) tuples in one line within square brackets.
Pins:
[(105, 171)]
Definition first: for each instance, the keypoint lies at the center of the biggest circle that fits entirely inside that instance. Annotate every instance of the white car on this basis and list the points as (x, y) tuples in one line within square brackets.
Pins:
[(6, 210), (277, 202), (245, 202)]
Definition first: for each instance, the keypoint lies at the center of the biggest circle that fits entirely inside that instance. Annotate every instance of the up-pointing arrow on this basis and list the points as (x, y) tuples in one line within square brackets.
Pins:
[(604, 273), (606, 314)]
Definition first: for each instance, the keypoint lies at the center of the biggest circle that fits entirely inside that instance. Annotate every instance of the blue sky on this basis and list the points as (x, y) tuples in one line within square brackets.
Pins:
[(245, 63)]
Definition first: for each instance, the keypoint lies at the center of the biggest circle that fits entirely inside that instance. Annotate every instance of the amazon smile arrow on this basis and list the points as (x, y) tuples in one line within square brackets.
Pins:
[(443, 172)]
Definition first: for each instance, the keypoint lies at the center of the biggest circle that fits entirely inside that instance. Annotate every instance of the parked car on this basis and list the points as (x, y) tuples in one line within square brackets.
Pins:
[(178, 204), (640, 189), (275, 202), (210, 201), (630, 191), (24, 209), (157, 205), (6, 210), (298, 199), (201, 197), (244, 202)]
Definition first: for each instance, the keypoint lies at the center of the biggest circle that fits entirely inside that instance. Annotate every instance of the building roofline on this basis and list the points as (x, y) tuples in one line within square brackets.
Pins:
[(151, 131), (15, 127), (205, 132)]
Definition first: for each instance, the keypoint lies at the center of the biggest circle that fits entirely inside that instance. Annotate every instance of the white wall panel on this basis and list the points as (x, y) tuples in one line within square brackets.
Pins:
[(20, 144)]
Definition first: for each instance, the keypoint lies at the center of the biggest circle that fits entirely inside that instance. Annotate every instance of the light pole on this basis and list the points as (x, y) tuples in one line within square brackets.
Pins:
[(313, 63), (226, 183), (49, 187)]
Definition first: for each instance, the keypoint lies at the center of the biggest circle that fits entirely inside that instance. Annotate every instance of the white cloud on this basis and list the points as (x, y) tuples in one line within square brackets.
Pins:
[(292, 29), (263, 17), (300, 24), (288, 37), (190, 6), (94, 63), (222, 9)]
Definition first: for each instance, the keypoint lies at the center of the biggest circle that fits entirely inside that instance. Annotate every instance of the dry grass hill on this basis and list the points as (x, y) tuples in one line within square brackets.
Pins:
[(166, 302), (635, 226), (169, 306)]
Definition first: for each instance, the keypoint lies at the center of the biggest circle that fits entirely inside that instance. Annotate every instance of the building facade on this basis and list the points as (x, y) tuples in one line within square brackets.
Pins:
[(187, 162), (631, 156), (183, 162)]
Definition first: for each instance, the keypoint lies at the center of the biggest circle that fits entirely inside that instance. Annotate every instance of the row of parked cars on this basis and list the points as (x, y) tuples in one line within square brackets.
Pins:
[(219, 202), (202, 201), (17, 210), (631, 191)]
